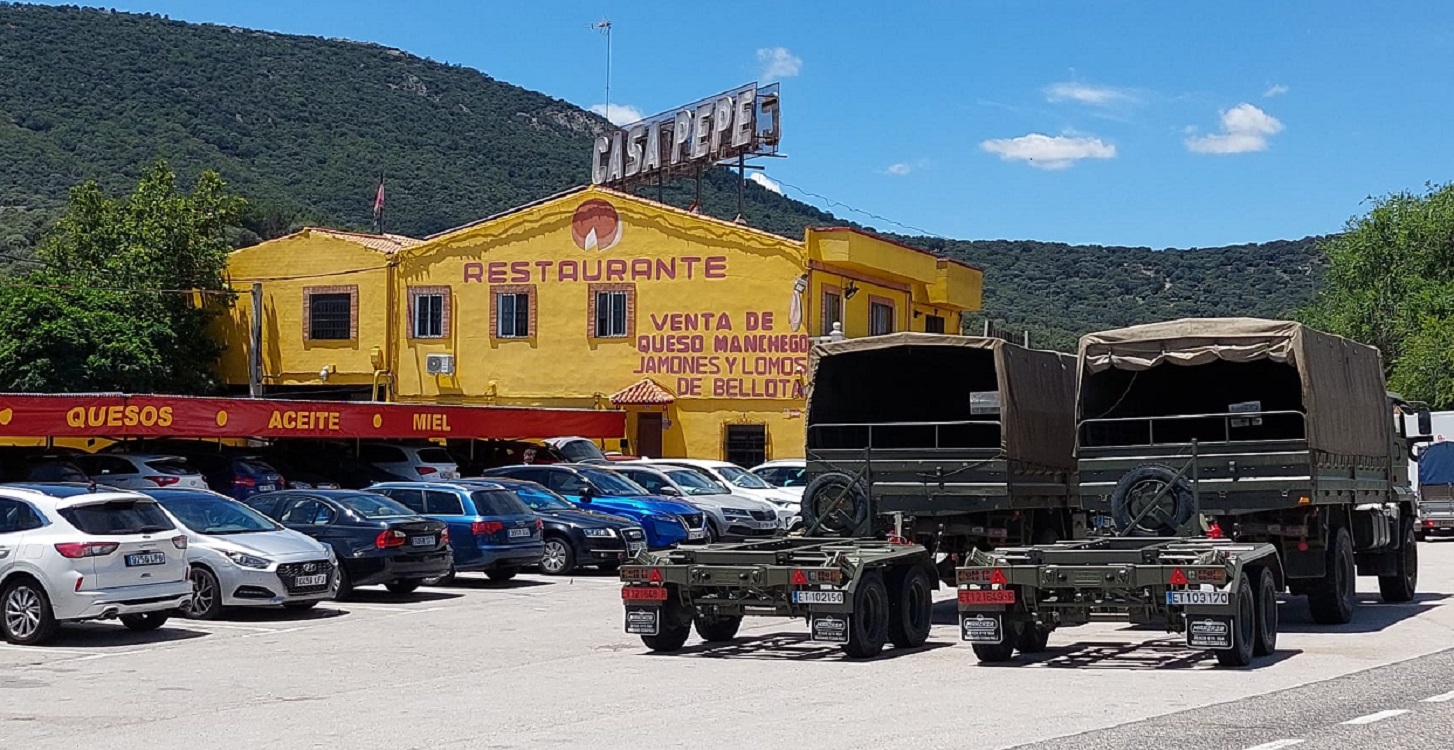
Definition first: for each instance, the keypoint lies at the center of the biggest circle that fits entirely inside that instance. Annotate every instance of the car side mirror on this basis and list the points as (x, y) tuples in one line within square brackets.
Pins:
[(588, 493), (672, 491), (1426, 422)]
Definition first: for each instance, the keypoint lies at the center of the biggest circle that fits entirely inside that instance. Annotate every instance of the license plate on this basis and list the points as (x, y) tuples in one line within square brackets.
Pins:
[(1005, 596), (266, 487), (817, 597), (315, 580), (643, 593), (1209, 631), (828, 628), (422, 541), (519, 533), (448, 475), (146, 558), (697, 534), (980, 629), (766, 524), (643, 620), (1198, 598)]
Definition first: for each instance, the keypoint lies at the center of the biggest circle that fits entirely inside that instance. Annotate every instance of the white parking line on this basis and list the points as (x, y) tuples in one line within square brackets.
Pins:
[(1380, 716), (227, 626), (1441, 698), (1276, 745), (43, 650)]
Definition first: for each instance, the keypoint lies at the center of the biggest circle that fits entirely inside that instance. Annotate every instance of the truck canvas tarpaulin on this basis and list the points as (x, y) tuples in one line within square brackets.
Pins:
[(1342, 389), (922, 377)]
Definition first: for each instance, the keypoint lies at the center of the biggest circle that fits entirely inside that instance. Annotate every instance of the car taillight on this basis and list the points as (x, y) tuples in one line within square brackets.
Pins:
[(425, 471), (244, 482), (77, 550), (485, 528), (180, 541), (444, 537), (539, 524), (389, 538), (163, 481)]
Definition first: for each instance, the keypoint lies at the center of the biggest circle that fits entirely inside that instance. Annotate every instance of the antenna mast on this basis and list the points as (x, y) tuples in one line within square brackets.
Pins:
[(604, 26)]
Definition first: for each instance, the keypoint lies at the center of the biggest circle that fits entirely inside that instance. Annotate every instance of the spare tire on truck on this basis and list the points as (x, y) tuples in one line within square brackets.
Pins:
[(1136, 491), (834, 504)]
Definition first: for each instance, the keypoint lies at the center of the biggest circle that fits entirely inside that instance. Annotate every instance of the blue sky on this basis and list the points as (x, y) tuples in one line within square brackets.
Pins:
[(1129, 123)]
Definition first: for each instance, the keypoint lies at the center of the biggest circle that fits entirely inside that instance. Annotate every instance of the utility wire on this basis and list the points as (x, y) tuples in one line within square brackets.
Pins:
[(830, 203)]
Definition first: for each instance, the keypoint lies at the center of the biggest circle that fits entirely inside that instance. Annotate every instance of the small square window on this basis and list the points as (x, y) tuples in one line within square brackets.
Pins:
[(513, 318), (428, 316), (933, 324), (832, 309), (880, 317), (330, 316), (610, 314)]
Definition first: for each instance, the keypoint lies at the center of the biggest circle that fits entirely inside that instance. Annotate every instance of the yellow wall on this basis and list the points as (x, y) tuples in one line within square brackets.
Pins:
[(287, 266)]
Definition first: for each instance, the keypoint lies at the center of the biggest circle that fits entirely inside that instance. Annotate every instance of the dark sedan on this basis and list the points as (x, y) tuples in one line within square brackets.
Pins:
[(576, 536), (376, 540)]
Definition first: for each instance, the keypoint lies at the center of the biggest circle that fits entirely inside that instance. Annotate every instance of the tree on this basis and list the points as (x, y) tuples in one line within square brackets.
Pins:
[(1390, 283), (115, 307)]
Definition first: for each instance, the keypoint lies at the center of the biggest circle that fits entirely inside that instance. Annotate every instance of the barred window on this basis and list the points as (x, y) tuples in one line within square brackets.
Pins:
[(330, 316)]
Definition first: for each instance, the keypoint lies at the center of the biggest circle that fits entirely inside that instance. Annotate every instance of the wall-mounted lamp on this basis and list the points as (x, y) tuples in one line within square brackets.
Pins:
[(918, 314), (326, 371), (849, 290)]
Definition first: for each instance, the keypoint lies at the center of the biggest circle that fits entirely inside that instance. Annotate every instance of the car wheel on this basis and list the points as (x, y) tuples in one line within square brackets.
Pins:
[(27, 616), (206, 601), (300, 606), (500, 575), (145, 621), (342, 586), (402, 587), (559, 558)]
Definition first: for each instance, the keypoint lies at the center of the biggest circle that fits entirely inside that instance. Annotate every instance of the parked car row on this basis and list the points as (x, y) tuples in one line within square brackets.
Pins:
[(141, 535)]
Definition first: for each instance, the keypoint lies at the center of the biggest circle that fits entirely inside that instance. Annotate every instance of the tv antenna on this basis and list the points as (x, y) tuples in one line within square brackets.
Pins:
[(604, 26)]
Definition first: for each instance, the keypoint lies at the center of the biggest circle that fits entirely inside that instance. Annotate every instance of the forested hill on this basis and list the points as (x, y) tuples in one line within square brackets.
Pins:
[(303, 127)]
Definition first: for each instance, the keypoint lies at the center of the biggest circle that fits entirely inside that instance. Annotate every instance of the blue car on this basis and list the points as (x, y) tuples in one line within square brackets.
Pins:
[(490, 530), (667, 522)]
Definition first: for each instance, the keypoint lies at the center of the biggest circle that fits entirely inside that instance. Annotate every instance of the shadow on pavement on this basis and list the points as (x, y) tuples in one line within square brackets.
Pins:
[(323, 610), (467, 581), (788, 647), (115, 635), (1156, 654), (1371, 615)]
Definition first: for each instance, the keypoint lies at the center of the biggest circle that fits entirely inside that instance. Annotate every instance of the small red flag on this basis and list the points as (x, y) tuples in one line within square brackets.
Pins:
[(379, 201)]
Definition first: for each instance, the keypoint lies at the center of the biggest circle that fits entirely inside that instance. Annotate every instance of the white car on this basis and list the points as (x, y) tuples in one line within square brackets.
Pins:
[(743, 482), (241, 558), (71, 552), (730, 515), (411, 462), (786, 474), (141, 471)]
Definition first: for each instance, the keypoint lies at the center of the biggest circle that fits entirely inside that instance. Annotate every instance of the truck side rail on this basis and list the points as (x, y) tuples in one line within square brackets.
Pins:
[(961, 434), (1205, 429)]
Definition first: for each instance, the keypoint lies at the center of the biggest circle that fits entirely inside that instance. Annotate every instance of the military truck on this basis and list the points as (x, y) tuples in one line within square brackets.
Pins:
[(1233, 459), (921, 448)]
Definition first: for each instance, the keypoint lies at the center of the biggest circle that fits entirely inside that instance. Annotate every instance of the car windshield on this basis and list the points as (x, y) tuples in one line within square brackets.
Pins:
[(541, 498), (118, 517), (56, 472), (374, 506), (434, 456), (695, 484), (580, 451), (205, 514), (743, 478), (252, 466), (499, 503), (613, 484), (175, 467)]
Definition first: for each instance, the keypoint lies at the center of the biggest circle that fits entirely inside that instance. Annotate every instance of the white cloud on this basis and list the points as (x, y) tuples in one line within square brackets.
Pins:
[(899, 168), (778, 63), (1245, 129), (619, 114), (1049, 152), (1088, 94), (1275, 89), (766, 182)]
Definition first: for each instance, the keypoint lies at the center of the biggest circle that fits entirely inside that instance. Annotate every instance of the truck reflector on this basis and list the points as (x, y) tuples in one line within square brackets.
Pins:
[(643, 593), (997, 578), (799, 578), (1178, 578), (1002, 596), (654, 576)]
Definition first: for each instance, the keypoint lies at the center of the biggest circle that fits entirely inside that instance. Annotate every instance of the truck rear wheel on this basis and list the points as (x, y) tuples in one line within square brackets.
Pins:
[(1403, 584), (992, 653), (673, 626), (911, 609), (1266, 614), (1330, 599), (717, 629), (869, 623), (1244, 628)]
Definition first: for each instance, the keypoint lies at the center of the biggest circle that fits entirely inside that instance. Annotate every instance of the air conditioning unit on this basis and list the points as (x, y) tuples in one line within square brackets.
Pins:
[(439, 364)]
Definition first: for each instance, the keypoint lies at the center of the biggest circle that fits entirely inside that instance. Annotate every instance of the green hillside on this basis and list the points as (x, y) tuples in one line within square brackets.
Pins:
[(303, 126)]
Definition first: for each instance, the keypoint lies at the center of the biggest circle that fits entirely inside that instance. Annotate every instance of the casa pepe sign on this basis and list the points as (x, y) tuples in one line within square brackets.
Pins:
[(741, 123)]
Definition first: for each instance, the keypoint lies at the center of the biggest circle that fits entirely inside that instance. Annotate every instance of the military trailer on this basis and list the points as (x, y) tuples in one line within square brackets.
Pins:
[(921, 448), (1436, 489), (1233, 459)]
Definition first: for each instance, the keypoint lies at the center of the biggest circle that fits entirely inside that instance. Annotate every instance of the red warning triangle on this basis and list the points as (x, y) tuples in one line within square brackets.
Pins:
[(654, 576), (1178, 578), (799, 579), (997, 578)]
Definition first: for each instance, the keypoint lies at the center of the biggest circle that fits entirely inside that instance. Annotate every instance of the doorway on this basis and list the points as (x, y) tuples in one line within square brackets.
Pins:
[(648, 434), (746, 444)]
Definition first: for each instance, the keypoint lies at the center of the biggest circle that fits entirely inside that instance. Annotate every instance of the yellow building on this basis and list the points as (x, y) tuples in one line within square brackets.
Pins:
[(698, 328)]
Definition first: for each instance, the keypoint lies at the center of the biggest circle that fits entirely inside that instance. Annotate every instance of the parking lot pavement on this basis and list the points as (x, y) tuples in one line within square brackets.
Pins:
[(543, 662)]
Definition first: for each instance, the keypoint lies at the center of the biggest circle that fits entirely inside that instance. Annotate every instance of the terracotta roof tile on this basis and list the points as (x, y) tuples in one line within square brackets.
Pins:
[(642, 392), (387, 244)]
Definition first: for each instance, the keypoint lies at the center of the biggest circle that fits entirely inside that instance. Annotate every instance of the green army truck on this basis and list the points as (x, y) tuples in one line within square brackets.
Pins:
[(921, 448), (1232, 459)]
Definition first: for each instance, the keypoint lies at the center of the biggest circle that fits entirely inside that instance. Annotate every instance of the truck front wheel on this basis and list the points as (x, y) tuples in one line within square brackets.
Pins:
[(1403, 584), (869, 626), (1330, 599)]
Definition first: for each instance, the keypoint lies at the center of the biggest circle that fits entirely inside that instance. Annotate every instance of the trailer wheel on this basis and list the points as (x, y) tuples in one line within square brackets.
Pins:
[(1034, 638), (869, 626), (1402, 586), (836, 503), (717, 629), (911, 608), (1330, 599), (672, 629), (992, 653), (1136, 490), (1244, 628), (1266, 642)]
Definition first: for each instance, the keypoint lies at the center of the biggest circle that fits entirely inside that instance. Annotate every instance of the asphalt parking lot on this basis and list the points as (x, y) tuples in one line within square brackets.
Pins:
[(542, 662)]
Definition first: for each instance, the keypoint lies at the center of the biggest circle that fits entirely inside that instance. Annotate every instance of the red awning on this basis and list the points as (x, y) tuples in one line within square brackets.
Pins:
[(116, 415)]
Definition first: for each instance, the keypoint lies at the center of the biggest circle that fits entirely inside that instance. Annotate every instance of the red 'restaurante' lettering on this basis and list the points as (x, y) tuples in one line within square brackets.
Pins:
[(686, 268)]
